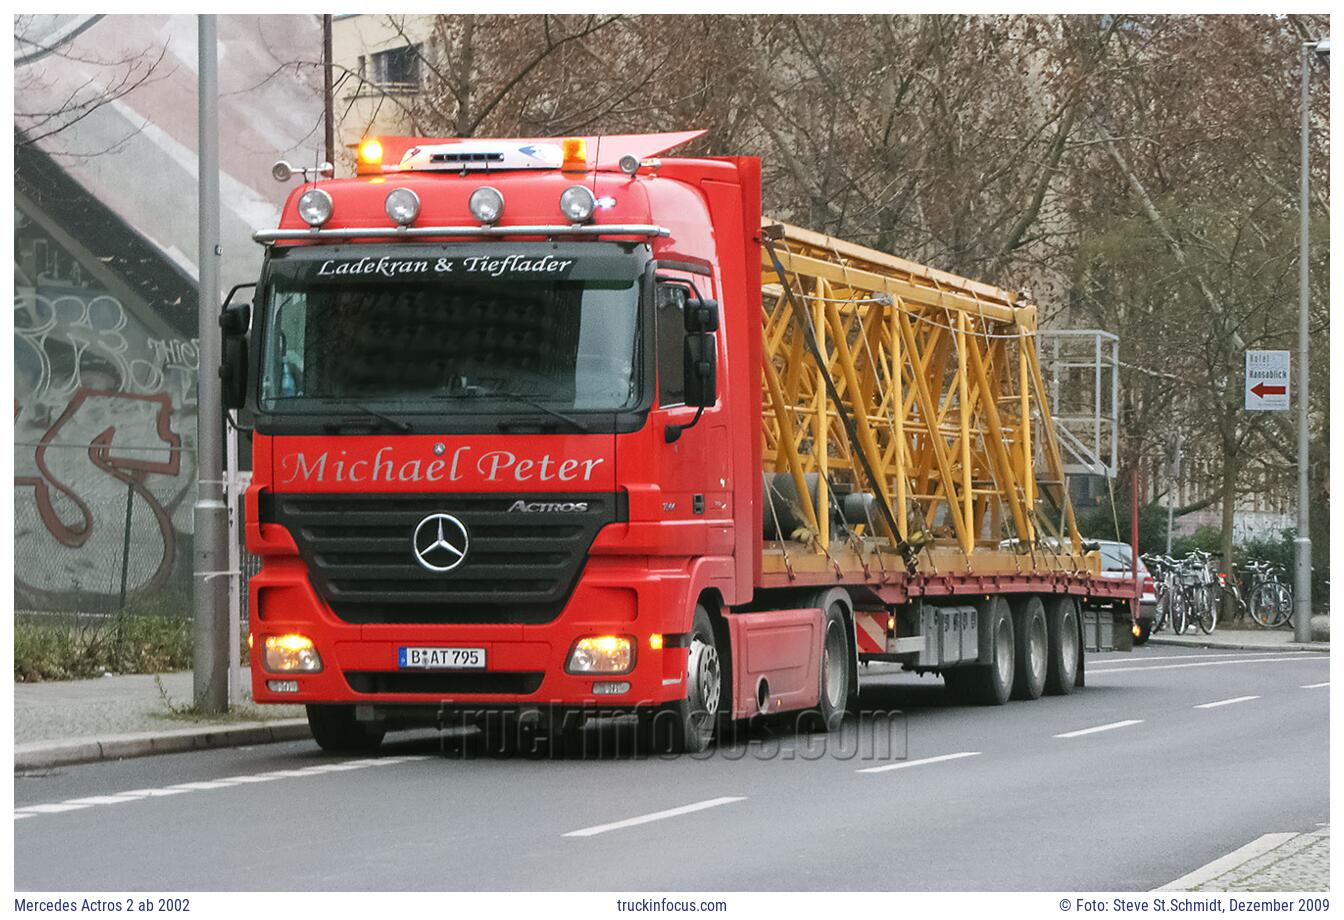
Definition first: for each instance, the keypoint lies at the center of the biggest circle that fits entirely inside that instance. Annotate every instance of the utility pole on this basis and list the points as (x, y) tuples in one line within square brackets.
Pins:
[(210, 516), (328, 115), (1302, 545)]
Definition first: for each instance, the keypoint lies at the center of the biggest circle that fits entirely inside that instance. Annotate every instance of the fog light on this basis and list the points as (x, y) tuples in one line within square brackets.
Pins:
[(601, 655), (282, 686), (486, 204), (402, 205), (608, 687), (315, 207), (577, 203), (291, 653)]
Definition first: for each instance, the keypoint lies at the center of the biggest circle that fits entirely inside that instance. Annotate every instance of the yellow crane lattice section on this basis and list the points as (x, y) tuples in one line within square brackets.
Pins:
[(937, 379)]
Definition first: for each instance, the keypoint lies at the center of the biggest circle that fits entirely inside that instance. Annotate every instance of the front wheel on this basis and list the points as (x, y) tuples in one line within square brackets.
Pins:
[(687, 725), (1180, 608), (1208, 618), (1144, 628), (336, 729)]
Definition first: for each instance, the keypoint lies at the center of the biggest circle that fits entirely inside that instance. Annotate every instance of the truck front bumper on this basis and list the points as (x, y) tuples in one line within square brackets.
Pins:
[(525, 665)]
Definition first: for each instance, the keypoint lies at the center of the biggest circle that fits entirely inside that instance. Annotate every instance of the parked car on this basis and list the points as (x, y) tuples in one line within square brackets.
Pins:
[(1116, 562)]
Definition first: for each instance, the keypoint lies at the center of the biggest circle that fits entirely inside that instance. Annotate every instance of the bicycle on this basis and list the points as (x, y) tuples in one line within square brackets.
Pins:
[(1198, 581), (1269, 601)]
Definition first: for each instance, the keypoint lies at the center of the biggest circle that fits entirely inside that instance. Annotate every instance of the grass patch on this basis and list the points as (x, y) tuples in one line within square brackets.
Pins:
[(242, 712), (51, 649)]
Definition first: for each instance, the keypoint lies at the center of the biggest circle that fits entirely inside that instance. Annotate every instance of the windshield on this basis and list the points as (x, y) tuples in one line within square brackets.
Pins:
[(429, 346)]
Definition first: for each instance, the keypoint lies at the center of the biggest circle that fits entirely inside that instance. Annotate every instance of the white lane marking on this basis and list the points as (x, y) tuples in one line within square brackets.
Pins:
[(53, 808), (1217, 703), (1099, 728), (1294, 656), (100, 800), (1237, 857), (655, 816), (917, 763), (1314, 686), (1120, 657), (133, 795)]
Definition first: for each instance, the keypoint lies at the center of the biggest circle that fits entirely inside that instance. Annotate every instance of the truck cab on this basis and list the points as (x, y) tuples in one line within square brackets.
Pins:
[(498, 457)]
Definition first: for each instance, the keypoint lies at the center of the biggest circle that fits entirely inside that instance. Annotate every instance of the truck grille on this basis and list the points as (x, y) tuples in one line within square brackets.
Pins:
[(520, 566)]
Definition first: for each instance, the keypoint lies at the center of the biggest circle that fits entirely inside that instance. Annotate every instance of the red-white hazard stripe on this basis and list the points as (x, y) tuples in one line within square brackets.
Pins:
[(872, 631)]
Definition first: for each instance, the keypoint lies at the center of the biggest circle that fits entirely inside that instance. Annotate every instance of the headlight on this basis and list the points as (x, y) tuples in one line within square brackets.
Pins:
[(486, 204), (577, 203), (315, 207), (601, 655), (402, 205), (291, 653)]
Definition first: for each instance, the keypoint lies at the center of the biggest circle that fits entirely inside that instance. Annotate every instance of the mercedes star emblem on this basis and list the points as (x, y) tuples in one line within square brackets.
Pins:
[(439, 543)]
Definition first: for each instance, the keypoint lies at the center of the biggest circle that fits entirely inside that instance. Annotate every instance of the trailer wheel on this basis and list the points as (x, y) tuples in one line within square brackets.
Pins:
[(829, 713), (1031, 648), (335, 729), (687, 725), (1062, 625), (991, 683)]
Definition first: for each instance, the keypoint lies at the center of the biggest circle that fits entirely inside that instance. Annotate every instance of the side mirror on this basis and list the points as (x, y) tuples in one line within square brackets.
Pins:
[(701, 366), (702, 315), (235, 319)]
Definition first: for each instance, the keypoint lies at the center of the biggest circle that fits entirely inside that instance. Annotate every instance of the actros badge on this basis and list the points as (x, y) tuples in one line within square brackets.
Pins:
[(440, 543)]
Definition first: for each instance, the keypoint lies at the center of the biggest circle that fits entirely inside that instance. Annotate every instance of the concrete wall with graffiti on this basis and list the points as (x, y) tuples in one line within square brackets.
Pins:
[(105, 420)]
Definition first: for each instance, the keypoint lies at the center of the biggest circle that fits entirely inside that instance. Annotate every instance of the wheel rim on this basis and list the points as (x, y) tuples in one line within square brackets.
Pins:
[(833, 665), (1037, 646), (706, 681), (1068, 645), (1003, 653)]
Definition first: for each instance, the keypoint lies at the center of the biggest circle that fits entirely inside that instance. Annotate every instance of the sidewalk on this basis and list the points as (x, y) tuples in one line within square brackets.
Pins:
[(1274, 862), (1251, 639), (126, 715)]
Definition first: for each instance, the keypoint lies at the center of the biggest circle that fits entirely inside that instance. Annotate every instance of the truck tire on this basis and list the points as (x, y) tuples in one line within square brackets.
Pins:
[(833, 674), (991, 683), (687, 725), (336, 729), (1061, 620), (1030, 647)]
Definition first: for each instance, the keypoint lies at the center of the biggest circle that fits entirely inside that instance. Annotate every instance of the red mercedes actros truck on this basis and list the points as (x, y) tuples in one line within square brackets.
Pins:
[(558, 425)]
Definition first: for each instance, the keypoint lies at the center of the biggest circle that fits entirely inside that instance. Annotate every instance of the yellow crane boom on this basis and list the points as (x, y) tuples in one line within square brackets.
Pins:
[(918, 389)]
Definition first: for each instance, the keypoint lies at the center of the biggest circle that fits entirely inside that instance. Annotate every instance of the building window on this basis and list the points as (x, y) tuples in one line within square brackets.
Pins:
[(397, 67)]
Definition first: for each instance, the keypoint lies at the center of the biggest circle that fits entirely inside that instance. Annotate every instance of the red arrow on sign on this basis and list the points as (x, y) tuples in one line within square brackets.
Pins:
[(1263, 390)]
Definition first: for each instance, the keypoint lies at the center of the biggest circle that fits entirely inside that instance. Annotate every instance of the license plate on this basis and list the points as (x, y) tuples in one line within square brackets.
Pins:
[(435, 659)]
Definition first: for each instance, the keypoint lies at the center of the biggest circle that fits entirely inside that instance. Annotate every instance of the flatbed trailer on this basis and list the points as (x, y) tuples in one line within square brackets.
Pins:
[(658, 455)]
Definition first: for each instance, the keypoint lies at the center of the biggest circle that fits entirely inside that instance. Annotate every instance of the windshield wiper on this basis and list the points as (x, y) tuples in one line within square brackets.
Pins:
[(529, 401), (373, 415)]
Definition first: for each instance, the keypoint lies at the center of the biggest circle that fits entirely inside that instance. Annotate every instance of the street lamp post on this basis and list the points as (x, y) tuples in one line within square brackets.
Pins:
[(1302, 545)]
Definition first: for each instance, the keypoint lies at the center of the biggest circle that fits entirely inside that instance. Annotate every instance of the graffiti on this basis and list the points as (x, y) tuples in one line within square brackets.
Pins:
[(99, 471), (70, 493)]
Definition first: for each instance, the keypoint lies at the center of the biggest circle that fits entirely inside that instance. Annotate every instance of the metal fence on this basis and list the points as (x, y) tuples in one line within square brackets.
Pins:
[(111, 554)]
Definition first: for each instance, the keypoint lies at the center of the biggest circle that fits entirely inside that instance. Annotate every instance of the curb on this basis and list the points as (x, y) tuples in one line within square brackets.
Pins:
[(1224, 864), (39, 755), (1246, 645)]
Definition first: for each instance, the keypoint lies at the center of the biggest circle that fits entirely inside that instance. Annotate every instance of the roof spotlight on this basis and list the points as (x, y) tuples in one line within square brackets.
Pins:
[(486, 204), (577, 203), (315, 207), (402, 205)]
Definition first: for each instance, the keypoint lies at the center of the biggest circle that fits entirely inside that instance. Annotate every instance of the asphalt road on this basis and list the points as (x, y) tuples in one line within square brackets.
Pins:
[(1036, 801)]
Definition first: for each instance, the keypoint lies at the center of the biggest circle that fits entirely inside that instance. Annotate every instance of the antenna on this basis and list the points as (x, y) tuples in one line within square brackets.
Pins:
[(597, 160)]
